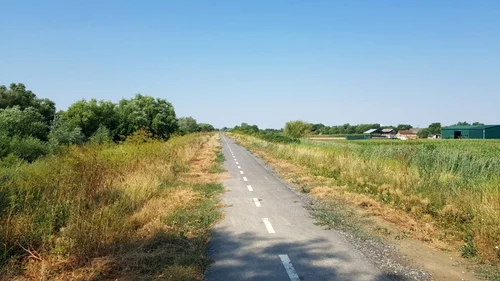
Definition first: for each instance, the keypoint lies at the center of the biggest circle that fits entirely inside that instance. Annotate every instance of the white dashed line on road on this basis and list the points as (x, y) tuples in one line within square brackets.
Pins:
[(241, 172), (268, 225), (249, 188), (245, 179), (290, 270), (239, 167), (256, 201), (237, 163)]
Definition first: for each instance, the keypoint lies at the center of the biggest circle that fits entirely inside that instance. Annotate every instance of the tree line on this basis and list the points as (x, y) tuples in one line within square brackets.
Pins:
[(299, 129), (31, 127)]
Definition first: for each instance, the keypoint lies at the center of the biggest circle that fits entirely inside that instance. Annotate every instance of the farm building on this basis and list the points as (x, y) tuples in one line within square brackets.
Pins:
[(372, 132), (471, 132), (410, 134), (388, 133)]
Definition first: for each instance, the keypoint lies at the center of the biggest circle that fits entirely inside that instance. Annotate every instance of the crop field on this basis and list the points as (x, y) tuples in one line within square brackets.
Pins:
[(452, 185)]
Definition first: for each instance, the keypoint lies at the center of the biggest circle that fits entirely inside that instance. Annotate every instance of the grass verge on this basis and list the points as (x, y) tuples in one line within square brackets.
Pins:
[(439, 192), (141, 210)]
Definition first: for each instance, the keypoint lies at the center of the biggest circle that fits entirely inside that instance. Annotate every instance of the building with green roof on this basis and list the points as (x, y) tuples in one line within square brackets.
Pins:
[(471, 132)]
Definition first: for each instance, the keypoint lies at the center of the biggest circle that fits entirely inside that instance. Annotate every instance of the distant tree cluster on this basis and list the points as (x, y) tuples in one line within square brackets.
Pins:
[(30, 126), (272, 135), (246, 129), (300, 129), (433, 129), (189, 125)]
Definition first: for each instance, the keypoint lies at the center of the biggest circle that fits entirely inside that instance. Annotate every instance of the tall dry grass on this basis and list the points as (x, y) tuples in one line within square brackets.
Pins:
[(61, 212), (449, 184)]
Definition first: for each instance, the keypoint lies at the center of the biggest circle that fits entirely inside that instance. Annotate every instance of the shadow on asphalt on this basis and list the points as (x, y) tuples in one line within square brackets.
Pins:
[(255, 256)]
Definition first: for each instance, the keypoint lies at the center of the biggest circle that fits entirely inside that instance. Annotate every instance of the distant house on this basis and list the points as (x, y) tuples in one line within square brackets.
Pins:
[(410, 134), (372, 132), (389, 133)]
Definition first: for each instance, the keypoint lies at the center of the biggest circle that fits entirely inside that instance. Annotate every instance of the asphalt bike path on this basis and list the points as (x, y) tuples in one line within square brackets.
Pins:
[(268, 234)]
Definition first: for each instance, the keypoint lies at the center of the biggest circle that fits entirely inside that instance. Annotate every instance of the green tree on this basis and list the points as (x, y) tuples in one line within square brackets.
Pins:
[(4, 144), (297, 129), (435, 128), (187, 125), (424, 133), (477, 123), (17, 95), (204, 127), (90, 115), (15, 122), (145, 112), (316, 128), (464, 123), (402, 127), (28, 148), (64, 133), (101, 135), (246, 128)]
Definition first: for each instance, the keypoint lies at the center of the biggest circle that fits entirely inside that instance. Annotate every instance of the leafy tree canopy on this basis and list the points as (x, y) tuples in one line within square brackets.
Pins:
[(17, 95), (424, 133), (246, 128), (15, 122), (64, 133), (204, 127), (145, 112), (90, 115), (297, 129), (187, 125), (401, 127), (435, 128)]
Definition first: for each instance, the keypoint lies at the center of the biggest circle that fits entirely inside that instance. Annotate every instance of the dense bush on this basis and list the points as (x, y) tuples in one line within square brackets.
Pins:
[(28, 148), (101, 136)]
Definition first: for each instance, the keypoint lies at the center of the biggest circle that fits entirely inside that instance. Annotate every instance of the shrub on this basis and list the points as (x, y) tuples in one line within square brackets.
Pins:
[(101, 136), (64, 133), (29, 148)]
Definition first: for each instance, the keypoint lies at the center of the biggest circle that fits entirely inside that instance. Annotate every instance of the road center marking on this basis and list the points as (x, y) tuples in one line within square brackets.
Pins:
[(237, 163), (239, 167), (256, 201), (249, 188), (290, 270), (245, 179), (241, 172), (268, 225)]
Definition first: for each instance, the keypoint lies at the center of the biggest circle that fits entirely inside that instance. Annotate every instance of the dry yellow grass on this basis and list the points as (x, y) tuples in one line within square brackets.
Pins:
[(149, 186)]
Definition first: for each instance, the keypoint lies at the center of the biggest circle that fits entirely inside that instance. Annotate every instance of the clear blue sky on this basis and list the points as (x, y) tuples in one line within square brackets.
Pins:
[(264, 62)]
